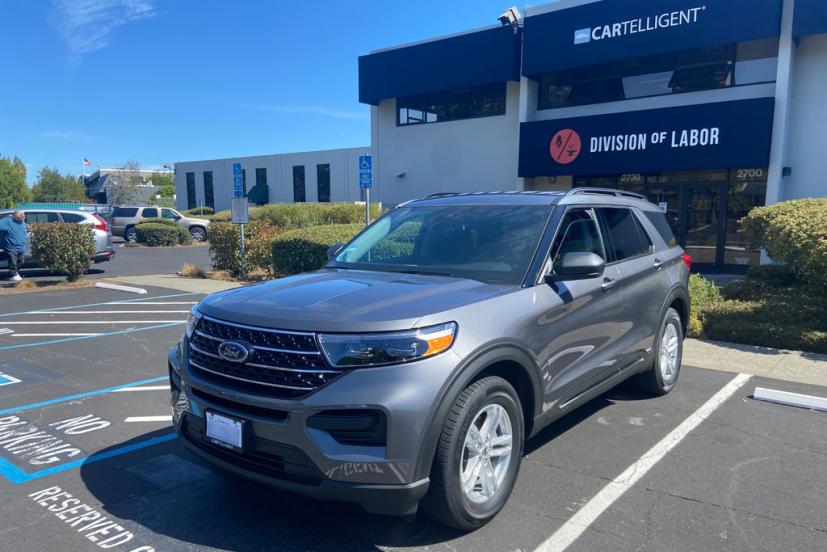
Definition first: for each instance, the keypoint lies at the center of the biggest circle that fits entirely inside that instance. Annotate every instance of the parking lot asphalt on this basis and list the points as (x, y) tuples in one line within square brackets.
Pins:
[(135, 261), (84, 423)]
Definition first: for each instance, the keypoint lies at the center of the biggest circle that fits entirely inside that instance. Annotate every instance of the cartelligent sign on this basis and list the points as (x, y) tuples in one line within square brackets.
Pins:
[(640, 25)]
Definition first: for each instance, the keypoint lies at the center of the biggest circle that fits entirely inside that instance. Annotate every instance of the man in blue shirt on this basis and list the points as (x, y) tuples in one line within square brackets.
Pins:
[(13, 236)]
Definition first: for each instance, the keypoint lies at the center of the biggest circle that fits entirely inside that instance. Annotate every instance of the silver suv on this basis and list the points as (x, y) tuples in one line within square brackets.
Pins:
[(414, 366), (125, 218), (104, 250)]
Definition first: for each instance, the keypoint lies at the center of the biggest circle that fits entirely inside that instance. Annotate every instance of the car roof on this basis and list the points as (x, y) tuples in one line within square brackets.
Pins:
[(39, 210), (576, 196)]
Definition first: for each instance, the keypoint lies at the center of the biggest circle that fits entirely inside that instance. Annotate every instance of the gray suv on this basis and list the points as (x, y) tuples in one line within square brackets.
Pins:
[(412, 368)]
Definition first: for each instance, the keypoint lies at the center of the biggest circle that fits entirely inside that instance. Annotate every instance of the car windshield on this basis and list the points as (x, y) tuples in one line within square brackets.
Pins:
[(489, 243)]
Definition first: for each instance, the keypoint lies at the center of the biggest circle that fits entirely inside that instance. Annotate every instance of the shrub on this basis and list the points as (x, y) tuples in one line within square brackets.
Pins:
[(221, 216), (305, 249), (191, 270), (793, 232), (775, 275), (162, 234), (64, 247), (303, 215), (225, 246), (703, 294), (198, 211)]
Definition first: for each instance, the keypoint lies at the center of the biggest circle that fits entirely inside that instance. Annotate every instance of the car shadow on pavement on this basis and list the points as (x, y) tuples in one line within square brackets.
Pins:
[(172, 493)]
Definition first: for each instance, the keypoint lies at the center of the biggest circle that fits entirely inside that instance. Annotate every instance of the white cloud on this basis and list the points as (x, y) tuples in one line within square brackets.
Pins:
[(87, 25), (349, 115)]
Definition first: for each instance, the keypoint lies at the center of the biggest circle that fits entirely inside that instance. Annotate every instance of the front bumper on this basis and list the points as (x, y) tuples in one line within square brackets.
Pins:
[(287, 454)]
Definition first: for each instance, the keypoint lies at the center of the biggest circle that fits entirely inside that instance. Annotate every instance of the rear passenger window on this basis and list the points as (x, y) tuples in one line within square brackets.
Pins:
[(41, 218), (626, 236), (151, 212), (125, 212), (73, 217), (660, 223)]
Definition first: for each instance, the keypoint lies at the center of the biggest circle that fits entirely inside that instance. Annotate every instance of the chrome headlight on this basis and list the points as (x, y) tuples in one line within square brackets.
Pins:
[(362, 350), (192, 320)]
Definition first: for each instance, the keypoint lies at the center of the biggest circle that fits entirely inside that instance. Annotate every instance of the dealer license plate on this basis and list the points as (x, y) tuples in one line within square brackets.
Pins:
[(225, 431)]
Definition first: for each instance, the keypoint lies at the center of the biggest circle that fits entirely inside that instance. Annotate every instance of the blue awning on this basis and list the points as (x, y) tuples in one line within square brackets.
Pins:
[(810, 17), (722, 135), (473, 59), (610, 30)]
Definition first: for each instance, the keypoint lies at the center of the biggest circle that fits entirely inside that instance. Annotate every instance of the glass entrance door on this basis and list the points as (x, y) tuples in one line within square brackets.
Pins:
[(694, 212), (703, 223)]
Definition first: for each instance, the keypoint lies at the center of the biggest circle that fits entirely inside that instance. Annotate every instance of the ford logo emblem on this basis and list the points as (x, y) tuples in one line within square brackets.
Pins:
[(233, 351)]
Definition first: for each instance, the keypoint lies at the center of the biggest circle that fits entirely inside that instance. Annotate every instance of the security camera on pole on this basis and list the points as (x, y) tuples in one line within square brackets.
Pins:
[(366, 181), (239, 211)]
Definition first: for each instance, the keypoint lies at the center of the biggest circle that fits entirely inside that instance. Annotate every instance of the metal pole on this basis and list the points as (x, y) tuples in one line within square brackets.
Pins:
[(243, 256), (367, 206)]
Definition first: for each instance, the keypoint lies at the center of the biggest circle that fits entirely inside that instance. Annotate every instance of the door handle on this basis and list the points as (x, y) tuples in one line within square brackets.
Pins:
[(658, 264), (607, 284)]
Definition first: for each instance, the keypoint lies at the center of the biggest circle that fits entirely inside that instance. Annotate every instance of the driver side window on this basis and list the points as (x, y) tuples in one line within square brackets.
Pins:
[(578, 234), (169, 214)]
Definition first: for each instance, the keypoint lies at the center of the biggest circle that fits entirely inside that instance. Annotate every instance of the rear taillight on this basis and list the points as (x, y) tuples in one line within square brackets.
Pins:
[(101, 224), (687, 260)]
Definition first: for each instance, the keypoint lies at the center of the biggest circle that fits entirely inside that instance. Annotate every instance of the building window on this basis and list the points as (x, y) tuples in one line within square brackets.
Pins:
[(261, 177), (323, 181), (244, 181), (209, 201), (191, 190), (706, 68), (453, 105), (298, 184)]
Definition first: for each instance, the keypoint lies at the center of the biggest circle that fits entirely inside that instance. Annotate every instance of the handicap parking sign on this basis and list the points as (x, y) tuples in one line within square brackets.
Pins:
[(365, 171)]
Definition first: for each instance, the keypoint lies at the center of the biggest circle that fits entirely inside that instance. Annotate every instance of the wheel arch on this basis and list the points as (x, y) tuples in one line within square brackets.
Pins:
[(678, 299), (506, 361)]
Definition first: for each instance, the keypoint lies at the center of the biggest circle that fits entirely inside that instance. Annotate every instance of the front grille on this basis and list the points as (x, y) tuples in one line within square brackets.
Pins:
[(281, 363), (262, 456)]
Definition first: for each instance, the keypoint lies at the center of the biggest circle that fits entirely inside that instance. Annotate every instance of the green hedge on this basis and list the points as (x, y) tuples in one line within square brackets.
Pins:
[(305, 249), (303, 215), (164, 221), (64, 247), (198, 212), (792, 232), (703, 294), (225, 246), (155, 234)]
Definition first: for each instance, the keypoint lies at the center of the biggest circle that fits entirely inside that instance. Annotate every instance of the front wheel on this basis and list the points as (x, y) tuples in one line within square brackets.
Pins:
[(198, 234), (478, 456), (661, 378), (130, 235)]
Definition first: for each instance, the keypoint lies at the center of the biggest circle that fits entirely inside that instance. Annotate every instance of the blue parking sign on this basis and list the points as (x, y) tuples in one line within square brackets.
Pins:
[(366, 172), (238, 181)]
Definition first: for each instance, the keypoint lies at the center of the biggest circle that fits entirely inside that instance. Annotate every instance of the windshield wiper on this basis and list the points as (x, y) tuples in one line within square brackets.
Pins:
[(428, 273)]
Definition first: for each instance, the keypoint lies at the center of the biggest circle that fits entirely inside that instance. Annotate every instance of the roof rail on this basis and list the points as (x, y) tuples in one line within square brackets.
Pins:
[(441, 194), (605, 191)]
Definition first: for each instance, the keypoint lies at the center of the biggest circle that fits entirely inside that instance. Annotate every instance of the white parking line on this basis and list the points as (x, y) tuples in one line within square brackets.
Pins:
[(4, 331), (579, 522), (144, 388), (55, 334), (112, 312), (154, 303), (64, 322), (149, 419)]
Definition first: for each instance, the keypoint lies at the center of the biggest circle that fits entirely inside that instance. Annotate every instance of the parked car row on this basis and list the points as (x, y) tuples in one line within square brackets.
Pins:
[(104, 250)]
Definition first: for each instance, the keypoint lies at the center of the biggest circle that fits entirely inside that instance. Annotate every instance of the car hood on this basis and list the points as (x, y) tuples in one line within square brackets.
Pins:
[(349, 301), (203, 222)]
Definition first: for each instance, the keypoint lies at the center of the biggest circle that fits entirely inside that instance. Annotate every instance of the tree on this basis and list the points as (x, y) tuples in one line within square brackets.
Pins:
[(126, 187), (166, 191), (162, 179), (52, 186), (13, 188)]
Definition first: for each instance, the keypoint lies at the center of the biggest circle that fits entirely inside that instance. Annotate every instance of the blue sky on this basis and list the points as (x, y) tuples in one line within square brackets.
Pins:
[(161, 81)]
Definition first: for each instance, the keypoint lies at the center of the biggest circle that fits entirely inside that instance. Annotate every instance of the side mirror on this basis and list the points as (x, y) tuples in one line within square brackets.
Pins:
[(578, 266), (333, 250)]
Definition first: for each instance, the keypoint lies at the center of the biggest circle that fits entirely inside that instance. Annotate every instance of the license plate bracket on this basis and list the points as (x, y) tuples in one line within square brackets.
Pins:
[(225, 431)]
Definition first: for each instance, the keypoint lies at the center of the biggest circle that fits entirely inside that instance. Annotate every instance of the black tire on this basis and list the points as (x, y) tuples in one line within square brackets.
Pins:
[(198, 234), (130, 234), (446, 502), (653, 380)]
